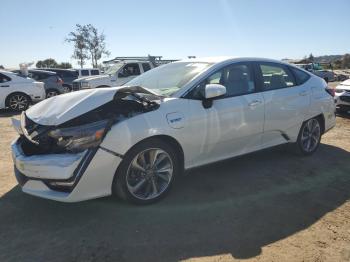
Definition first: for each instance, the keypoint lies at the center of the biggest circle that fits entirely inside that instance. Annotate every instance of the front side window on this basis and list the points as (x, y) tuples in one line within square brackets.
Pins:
[(146, 67), (4, 78), (276, 76), (130, 70), (237, 78), (84, 72)]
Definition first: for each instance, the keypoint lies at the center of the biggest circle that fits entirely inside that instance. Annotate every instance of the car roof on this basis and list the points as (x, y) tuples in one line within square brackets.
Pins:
[(42, 71), (58, 69), (224, 59)]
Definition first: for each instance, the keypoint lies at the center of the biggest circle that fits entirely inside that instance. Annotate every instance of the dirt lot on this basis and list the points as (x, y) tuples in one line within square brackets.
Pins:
[(267, 206)]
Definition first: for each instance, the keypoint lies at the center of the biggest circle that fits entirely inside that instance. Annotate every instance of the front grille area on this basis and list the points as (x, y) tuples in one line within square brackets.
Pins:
[(76, 86), (345, 98)]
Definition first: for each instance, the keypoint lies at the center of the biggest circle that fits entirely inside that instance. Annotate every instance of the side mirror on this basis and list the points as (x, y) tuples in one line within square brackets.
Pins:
[(214, 90)]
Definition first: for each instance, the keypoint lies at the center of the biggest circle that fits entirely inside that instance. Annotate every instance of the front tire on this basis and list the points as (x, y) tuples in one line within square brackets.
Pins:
[(309, 137), (147, 172), (18, 102)]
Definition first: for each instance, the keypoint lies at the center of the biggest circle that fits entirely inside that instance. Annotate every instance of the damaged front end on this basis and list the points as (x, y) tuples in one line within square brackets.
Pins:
[(59, 154)]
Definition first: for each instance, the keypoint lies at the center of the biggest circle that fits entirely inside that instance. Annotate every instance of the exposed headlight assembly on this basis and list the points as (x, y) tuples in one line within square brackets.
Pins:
[(79, 138)]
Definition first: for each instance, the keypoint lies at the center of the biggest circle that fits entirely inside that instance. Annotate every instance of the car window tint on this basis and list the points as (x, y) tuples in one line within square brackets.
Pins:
[(4, 78), (276, 76), (146, 67), (95, 72), (130, 70), (84, 72), (238, 80), (301, 76)]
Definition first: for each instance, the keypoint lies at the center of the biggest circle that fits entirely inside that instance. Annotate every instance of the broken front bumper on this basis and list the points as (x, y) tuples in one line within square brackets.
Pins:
[(65, 177)]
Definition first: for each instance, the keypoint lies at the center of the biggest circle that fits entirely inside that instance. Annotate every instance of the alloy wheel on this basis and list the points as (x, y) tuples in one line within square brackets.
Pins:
[(51, 94), (149, 174), (18, 102), (310, 135)]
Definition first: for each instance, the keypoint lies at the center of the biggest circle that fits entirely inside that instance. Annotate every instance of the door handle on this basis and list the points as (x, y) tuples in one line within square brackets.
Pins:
[(255, 103), (303, 93), (4, 86)]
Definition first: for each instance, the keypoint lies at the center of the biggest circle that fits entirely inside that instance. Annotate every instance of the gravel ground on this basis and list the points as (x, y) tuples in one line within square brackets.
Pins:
[(267, 206)]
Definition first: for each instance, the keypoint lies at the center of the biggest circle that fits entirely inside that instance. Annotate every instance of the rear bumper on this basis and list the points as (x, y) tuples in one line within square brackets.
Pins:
[(65, 178)]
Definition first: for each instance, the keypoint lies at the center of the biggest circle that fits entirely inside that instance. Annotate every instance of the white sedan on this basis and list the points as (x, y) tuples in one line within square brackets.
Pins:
[(17, 92), (135, 140)]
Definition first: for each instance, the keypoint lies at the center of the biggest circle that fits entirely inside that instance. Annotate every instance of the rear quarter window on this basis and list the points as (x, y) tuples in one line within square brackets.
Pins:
[(300, 76)]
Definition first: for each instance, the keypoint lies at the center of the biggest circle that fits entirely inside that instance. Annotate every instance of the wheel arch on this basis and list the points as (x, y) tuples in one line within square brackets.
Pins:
[(320, 117), (170, 140)]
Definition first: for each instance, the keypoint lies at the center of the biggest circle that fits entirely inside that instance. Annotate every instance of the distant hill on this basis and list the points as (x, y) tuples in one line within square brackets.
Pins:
[(327, 58)]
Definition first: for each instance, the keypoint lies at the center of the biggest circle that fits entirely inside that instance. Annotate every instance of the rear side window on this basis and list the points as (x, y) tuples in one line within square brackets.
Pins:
[(84, 72), (300, 76), (146, 67), (37, 76), (95, 72), (276, 76), (4, 78)]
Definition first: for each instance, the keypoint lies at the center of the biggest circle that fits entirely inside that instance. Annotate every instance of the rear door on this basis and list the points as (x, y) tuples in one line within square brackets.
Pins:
[(286, 102), (5, 88)]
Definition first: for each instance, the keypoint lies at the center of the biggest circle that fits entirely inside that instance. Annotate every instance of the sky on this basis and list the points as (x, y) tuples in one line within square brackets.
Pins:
[(35, 30)]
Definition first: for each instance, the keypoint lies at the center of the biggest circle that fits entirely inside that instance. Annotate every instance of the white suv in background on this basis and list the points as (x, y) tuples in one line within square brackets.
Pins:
[(17, 92), (135, 140), (117, 75)]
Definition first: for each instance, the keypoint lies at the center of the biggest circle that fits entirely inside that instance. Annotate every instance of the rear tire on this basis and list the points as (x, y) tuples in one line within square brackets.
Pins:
[(147, 172), (51, 93), (309, 137)]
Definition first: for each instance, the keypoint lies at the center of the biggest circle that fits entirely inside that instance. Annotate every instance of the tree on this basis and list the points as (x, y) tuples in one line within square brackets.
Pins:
[(346, 61), (88, 44), (64, 65), (2, 67), (96, 45), (311, 58), (79, 38), (47, 63)]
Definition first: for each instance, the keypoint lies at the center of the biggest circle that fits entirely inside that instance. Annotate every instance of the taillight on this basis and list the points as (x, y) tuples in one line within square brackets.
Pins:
[(330, 91), (59, 80)]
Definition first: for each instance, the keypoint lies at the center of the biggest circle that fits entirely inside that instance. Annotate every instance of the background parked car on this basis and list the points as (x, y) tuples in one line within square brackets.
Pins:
[(52, 82), (67, 75), (17, 92)]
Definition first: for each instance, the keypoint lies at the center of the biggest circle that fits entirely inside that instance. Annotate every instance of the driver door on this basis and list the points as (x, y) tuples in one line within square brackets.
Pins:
[(233, 125)]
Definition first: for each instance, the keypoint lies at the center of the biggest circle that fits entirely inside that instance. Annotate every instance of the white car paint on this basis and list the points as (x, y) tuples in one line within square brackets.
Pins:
[(232, 126), (35, 90)]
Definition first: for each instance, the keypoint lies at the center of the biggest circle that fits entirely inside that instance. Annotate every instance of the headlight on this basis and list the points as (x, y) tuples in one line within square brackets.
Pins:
[(79, 138), (85, 85)]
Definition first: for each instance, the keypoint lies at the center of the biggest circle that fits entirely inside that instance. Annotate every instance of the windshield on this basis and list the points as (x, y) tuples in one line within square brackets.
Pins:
[(113, 69), (168, 79)]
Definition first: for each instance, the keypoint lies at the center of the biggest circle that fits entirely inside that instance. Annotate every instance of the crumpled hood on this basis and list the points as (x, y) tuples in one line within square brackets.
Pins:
[(62, 108), (91, 78)]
